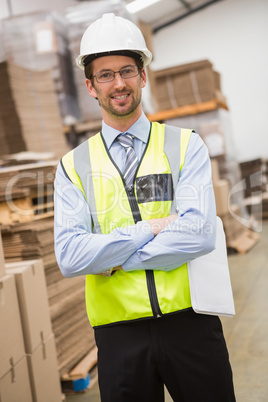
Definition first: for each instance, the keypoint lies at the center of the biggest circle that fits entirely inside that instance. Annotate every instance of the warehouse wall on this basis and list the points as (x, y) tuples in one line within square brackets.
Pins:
[(233, 35)]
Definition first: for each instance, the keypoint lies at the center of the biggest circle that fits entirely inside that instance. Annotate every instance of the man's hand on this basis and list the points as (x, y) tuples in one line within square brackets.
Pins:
[(159, 224), (117, 268)]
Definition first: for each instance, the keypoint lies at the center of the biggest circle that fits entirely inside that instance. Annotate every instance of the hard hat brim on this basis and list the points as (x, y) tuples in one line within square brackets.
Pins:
[(128, 53)]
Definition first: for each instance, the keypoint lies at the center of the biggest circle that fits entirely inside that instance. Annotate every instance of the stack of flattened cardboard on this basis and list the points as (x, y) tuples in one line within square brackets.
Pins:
[(14, 374), (185, 84), (11, 137), (73, 333), (38, 110)]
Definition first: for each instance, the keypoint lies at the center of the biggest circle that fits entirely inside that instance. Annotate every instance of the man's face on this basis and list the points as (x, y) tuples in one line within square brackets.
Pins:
[(120, 97)]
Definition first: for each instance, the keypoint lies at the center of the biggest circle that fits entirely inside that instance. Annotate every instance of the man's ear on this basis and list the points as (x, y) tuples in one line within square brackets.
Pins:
[(91, 89), (143, 78)]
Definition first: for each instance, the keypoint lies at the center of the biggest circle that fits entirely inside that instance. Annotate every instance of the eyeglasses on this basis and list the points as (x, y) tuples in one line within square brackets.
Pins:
[(109, 75)]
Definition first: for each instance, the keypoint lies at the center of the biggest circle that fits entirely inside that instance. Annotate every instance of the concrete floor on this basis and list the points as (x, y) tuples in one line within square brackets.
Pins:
[(247, 333)]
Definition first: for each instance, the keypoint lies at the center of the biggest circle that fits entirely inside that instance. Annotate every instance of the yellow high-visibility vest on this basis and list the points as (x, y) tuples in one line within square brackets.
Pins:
[(138, 294)]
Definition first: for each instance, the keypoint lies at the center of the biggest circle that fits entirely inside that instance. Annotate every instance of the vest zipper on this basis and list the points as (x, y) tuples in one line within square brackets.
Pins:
[(133, 203), (152, 294), (149, 273)]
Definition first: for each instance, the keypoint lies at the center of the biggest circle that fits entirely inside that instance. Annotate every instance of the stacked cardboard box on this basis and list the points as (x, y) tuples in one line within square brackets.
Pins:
[(221, 190), (38, 336), (14, 375), (2, 257), (254, 172), (233, 226), (185, 84), (265, 205), (255, 177), (11, 136)]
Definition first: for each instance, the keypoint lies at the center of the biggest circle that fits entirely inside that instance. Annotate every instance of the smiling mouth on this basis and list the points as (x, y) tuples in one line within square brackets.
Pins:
[(120, 97)]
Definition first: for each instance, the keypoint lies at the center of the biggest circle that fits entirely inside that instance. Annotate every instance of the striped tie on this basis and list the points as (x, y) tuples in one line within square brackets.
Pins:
[(126, 140)]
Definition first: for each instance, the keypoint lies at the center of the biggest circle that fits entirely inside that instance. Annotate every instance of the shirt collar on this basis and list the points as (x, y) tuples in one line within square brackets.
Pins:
[(140, 129)]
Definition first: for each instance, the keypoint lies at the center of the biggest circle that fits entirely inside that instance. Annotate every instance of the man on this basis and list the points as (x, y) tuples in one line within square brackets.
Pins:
[(133, 205)]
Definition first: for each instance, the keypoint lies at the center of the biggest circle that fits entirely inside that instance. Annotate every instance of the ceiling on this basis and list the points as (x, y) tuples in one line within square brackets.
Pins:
[(164, 12)]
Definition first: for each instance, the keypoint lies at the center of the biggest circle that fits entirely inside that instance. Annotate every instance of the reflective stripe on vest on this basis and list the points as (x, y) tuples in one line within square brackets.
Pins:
[(137, 294)]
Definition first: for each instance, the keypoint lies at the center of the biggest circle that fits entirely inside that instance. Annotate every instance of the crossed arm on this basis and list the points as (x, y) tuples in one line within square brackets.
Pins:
[(156, 225)]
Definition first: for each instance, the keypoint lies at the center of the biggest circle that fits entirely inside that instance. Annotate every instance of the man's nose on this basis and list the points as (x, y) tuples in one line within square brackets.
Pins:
[(118, 80)]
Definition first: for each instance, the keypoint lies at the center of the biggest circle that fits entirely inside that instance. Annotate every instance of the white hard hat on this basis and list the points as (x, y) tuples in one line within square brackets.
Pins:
[(112, 35)]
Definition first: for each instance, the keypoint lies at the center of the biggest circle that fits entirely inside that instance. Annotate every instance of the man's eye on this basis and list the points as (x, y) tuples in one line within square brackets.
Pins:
[(127, 70), (105, 74)]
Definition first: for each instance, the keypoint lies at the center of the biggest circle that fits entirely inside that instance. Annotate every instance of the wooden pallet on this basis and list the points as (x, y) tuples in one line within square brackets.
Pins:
[(84, 374), (26, 209), (187, 110), (16, 211)]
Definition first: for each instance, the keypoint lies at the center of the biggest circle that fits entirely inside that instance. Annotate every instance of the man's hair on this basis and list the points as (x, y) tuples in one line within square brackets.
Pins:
[(89, 69)]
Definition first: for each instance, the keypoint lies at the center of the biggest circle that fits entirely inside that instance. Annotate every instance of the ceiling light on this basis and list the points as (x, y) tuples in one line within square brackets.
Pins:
[(139, 5)]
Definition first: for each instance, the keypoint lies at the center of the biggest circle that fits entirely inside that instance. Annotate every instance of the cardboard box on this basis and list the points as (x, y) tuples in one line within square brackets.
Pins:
[(185, 84), (15, 384), (253, 173), (11, 336), (44, 374), (33, 301), (233, 227), (2, 258), (215, 172), (221, 191)]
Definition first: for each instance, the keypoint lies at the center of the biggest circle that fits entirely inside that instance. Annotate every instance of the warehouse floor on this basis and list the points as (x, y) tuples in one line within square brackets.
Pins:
[(246, 334)]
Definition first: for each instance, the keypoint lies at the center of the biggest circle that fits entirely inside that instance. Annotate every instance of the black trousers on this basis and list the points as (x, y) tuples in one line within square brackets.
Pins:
[(185, 351)]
